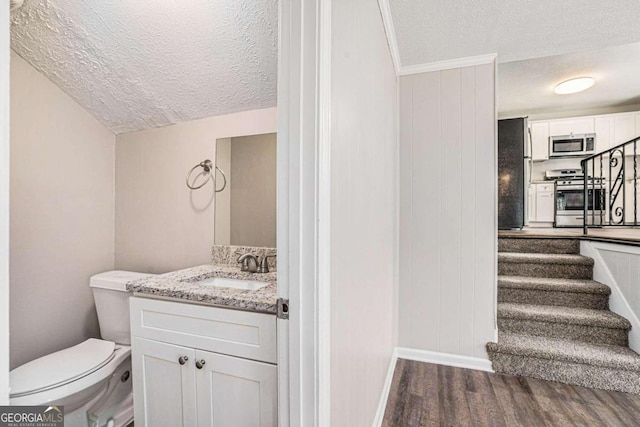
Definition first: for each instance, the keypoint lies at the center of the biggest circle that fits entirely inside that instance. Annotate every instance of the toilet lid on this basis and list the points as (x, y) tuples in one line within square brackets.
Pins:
[(61, 367)]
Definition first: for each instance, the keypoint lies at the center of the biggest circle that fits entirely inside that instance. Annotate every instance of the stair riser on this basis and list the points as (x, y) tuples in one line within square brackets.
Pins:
[(564, 299), (560, 271), (582, 333), (539, 246), (566, 372)]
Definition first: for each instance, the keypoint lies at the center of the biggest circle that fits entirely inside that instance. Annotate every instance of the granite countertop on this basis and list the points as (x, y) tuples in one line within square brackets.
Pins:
[(181, 285)]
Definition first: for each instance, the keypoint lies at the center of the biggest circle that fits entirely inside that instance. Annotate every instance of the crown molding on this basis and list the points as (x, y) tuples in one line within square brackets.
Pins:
[(389, 29), (447, 65)]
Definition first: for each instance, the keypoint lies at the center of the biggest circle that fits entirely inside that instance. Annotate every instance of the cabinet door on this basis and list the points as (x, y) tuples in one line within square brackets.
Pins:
[(545, 206), (164, 389), (236, 392), (624, 127), (531, 206), (540, 140), (569, 126), (605, 134)]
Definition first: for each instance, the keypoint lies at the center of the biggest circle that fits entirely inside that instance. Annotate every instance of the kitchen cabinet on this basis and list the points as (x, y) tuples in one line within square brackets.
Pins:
[(605, 134), (195, 365), (531, 203), (541, 203), (610, 129), (539, 136), (624, 128), (569, 126)]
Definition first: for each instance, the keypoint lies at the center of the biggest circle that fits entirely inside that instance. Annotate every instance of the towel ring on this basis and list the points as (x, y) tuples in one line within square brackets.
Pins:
[(207, 165)]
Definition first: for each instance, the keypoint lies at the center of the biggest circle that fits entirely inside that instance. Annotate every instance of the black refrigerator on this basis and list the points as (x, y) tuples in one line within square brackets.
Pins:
[(512, 167)]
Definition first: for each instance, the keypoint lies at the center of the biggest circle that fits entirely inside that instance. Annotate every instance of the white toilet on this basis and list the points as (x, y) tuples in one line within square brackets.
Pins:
[(92, 379)]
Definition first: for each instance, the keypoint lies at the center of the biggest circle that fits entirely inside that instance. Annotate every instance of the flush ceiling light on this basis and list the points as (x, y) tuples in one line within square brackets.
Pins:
[(574, 85)]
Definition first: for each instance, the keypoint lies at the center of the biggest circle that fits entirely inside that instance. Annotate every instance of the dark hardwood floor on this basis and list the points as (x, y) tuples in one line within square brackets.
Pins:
[(424, 394)]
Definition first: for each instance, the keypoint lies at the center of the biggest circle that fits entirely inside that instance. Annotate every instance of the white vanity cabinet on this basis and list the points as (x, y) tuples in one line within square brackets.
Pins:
[(197, 365), (235, 392), (164, 389)]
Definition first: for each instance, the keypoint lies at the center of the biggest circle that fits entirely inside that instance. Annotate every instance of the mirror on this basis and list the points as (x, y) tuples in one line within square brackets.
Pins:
[(245, 210)]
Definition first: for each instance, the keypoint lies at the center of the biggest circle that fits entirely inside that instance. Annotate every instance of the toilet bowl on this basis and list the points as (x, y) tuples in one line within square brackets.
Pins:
[(92, 380)]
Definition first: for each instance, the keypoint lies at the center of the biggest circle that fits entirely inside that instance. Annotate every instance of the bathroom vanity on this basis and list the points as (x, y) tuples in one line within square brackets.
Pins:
[(204, 348)]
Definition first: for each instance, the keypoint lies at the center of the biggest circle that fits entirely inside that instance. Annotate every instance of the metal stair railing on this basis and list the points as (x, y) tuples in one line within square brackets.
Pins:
[(616, 172)]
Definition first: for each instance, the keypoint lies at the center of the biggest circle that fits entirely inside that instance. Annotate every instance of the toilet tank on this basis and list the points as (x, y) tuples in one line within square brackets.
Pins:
[(112, 303)]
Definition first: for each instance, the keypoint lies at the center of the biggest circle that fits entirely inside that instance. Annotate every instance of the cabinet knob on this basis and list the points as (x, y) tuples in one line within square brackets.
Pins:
[(200, 364), (183, 359)]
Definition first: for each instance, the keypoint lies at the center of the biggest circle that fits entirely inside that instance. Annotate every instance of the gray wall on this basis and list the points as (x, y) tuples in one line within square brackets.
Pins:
[(62, 213), (448, 227), (364, 154), (253, 191)]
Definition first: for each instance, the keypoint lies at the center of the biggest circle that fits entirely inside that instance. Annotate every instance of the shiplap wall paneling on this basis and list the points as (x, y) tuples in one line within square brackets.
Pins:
[(448, 210), (624, 265), (364, 157)]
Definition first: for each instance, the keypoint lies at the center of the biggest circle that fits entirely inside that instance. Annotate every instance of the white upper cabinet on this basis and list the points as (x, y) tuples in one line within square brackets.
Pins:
[(569, 126), (610, 129), (539, 140), (625, 128), (605, 135)]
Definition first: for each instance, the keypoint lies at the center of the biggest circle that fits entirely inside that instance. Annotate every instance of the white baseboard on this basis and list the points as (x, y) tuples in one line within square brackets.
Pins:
[(447, 359), (382, 405)]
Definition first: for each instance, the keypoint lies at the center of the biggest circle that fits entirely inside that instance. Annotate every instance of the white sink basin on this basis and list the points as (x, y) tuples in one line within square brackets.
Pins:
[(220, 282)]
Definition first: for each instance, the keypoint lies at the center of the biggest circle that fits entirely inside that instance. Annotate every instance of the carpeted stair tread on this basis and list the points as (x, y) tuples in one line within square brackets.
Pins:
[(553, 284), (559, 314), (617, 357), (538, 245), (554, 259)]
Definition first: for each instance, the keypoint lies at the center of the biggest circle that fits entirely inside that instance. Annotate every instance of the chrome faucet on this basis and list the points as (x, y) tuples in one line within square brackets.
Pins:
[(264, 264), (251, 264)]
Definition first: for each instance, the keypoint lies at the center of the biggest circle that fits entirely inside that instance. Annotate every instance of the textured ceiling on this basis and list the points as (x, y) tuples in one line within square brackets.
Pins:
[(526, 87), (439, 30), (149, 63)]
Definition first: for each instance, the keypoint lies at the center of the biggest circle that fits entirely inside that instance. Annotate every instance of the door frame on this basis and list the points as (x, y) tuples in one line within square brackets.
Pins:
[(4, 204), (304, 189)]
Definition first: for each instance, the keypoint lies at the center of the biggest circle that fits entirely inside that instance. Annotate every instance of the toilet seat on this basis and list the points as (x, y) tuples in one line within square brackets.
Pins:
[(78, 388), (60, 368)]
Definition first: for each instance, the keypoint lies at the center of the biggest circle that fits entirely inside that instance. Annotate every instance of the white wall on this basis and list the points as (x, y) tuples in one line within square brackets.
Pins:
[(4, 205), (448, 225), (222, 227), (62, 213), (364, 151), (618, 266), (161, 225)]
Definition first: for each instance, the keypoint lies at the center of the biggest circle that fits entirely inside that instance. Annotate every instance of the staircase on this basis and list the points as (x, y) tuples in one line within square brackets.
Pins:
[(554, 321)]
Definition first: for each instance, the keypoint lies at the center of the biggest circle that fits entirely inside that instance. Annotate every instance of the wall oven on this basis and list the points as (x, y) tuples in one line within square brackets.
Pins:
[(570, 202), (572, 145)]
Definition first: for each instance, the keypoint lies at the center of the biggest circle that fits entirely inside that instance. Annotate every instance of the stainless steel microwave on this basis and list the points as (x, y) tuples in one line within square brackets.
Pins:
[(572, 145)]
